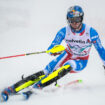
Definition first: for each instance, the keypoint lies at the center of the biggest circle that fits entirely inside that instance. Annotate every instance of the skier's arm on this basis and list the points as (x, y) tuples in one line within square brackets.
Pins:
[(97, 43), (58, 38)]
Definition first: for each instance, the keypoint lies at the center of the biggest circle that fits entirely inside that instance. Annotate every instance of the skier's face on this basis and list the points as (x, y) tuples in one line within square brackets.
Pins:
[(75, 23)]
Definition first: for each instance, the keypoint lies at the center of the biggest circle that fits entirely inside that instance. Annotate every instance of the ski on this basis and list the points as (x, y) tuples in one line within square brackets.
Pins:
[(64, 86), (27, 94)]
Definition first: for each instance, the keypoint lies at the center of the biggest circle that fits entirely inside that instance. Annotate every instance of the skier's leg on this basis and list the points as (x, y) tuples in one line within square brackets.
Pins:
[(24, 83), (75, 65), (28, 81), (53, 77), (55, 67)]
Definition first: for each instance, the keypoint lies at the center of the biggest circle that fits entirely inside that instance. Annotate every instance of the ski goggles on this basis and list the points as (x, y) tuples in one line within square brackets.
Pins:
[(75, 19)]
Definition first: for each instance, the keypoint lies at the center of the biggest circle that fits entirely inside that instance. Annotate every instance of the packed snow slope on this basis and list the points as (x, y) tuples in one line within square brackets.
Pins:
[(29, 26)]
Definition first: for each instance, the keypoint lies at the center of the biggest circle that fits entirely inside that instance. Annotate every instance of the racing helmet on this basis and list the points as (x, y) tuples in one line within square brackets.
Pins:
[(75, 14)]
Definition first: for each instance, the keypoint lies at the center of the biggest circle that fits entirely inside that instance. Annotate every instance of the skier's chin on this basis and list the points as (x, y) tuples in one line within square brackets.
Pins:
[(76, 26)]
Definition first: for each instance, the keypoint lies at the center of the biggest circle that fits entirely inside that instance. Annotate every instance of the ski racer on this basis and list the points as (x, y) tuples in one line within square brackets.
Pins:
[(79, 38)]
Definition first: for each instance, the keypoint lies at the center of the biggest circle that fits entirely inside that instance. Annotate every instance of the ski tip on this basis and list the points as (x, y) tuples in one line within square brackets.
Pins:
[(80, 81)]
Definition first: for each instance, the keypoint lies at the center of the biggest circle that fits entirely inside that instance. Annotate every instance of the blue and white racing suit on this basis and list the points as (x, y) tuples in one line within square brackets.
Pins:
[(78, 48)]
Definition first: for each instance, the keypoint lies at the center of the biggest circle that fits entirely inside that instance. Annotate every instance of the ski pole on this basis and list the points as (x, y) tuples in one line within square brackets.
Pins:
[(22, 55), (55, 49)]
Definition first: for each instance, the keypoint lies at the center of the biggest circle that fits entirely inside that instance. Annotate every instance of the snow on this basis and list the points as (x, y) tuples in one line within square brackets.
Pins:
[(29, 26)]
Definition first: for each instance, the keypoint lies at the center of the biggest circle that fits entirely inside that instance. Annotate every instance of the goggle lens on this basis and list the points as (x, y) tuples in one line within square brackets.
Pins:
[(75, 19)]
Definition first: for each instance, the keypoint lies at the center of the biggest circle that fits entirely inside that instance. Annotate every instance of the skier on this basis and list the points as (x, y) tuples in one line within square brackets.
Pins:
[(79, 38)]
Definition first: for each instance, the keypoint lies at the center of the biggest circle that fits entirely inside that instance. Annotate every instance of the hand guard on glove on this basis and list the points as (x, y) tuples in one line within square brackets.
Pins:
[(56, 50)]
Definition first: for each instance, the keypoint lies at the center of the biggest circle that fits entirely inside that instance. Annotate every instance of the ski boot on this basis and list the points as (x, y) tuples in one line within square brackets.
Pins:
[(4, 96)]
